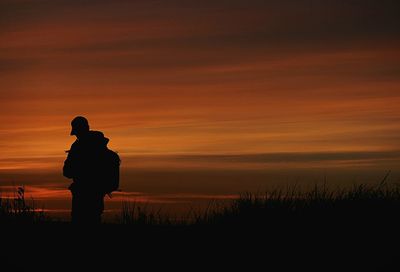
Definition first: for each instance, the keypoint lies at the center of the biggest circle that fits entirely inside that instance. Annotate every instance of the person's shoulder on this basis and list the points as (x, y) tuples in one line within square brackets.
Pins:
[(96, 134), (97, 138)]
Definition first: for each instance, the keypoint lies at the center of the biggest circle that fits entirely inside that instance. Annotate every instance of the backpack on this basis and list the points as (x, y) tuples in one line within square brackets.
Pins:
[(110, 171)]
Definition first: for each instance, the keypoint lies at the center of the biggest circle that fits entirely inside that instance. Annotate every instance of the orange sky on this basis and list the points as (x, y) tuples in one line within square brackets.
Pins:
[(183, 84)]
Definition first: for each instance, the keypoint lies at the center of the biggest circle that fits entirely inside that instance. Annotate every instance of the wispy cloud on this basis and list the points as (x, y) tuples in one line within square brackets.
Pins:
[(200, 84)]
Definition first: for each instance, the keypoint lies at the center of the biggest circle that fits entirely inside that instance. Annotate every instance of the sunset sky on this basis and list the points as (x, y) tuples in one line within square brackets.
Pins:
[(201, 98)]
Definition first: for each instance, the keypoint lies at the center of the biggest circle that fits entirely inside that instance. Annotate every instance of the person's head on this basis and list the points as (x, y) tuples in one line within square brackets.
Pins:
[(80, 126)]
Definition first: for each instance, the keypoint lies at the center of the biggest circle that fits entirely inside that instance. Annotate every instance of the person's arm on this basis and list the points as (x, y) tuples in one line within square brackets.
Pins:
[(69, 170)]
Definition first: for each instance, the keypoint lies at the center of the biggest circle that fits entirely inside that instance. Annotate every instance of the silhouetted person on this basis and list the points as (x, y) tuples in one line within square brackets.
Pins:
[(85, 164)]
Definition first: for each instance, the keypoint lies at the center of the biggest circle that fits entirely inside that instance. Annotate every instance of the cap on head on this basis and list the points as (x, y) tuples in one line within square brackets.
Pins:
[(79, 125)]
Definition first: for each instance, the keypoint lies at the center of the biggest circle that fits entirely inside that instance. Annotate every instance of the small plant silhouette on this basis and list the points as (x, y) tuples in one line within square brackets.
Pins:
[(17, 210)]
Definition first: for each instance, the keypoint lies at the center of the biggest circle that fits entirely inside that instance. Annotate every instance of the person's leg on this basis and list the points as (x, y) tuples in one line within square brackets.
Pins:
[(87, 208), (77, 213), (99, 207), (95, 208)]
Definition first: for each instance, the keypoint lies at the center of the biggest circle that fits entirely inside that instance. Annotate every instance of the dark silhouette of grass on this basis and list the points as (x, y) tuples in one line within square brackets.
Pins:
[(134, 214), (320, 229), (17, 210), (361, 202)]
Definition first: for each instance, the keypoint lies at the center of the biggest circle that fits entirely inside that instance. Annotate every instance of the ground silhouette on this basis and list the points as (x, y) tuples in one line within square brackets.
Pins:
[(318, 230)]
